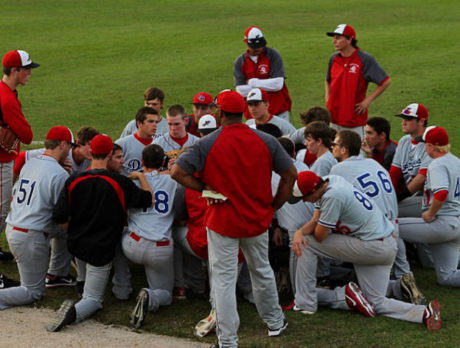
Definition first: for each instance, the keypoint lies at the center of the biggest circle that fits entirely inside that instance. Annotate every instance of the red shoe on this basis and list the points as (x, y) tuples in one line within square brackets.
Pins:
[(357, 301), (288, 306), (179, 294), (433, 315)]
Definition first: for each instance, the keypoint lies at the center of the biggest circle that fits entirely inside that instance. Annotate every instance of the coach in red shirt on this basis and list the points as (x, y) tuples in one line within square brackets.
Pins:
[(241, 218), (349, 72)]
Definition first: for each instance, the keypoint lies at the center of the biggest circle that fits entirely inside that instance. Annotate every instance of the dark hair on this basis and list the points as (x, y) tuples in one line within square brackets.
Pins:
[(270, 128), (351, 141), (320, 130), (51, 144), (154, 93), (288, 145), (176, 110), (85, 134), (354, 42), (315, 113), (101, 157), (153, 156), (231, 115), (142, 113), (7, 70), (116, 147), (380, 124)]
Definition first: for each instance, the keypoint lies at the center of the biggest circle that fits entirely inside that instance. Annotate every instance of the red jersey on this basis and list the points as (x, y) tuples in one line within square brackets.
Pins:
[(269, 65), (348, 78), (13, 117)]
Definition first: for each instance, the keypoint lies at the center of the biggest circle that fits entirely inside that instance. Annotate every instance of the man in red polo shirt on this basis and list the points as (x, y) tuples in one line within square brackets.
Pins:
[(262, 67), (17, 68), (242, 214), (349, 72)]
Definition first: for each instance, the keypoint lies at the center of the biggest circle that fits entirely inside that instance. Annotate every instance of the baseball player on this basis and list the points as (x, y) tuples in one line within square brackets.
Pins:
[(153, 98), (153, 248), (371, 178), (147, 120), (17, 68), (258, 105), (29, 225), (362, 235), (291, 216), (201, 105), (439, 225), (262, 67), (92, 206), (377, 143), (348, 74)]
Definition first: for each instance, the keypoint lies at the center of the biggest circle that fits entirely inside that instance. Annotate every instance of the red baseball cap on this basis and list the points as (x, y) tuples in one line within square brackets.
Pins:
[(344, 30), (304, 185), (435, 135), (203, 98), (230, 101), (18, 59), (60, 133), (414, 111), (254, 37), (256, 95), (101, 145)]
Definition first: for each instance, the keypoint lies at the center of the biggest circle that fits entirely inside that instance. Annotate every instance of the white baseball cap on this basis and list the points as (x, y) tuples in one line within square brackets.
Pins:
[(256, 95), (207, 124)]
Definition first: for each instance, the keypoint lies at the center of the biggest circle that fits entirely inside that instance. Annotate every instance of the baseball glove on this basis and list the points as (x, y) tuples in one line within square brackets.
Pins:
[(8, 140)]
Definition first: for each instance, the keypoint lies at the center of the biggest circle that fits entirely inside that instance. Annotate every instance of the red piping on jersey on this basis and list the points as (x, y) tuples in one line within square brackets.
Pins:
[(113, 183), (441, 195), (143, 141)]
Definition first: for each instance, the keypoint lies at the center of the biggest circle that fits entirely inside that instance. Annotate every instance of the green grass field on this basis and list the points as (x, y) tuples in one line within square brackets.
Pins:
[(98, 57)]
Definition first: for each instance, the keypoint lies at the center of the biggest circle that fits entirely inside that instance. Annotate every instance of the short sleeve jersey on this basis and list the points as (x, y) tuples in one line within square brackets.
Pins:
[(348, 78), (292, 216), (443, 175), (347, 210), (269, 65), (223, 160), (132, 153), (285, 127), (168, 144), (155, 223), (410, 157), (371, 178), (323, 164), (35, 193)]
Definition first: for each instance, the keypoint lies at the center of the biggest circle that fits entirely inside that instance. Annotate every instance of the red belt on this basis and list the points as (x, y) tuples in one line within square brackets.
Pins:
[(25, 230), (138, 238)]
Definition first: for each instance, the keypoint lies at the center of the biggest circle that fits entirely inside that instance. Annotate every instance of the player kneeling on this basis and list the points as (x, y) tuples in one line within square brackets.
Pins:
[(149, 240), (362, 235)]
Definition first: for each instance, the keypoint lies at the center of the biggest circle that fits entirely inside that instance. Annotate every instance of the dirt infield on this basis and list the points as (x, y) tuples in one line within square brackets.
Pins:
[(25, 327)]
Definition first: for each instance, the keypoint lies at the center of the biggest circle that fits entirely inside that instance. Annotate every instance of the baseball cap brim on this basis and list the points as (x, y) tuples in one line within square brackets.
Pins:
[(260, 42), (31, 66), (294, 199)]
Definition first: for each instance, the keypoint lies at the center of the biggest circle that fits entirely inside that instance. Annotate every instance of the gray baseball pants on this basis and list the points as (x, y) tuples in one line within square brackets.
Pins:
[(372, 261), (443, 237), (6, 185), (93, 292), (223, 261), (158, 261), (31, 250)]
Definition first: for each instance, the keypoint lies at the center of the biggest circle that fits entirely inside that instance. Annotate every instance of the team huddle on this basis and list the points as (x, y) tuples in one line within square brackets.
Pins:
[(197, 200)]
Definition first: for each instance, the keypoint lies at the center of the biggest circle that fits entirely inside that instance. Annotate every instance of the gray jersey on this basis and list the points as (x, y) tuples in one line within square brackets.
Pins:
[(298, 137), (443, 174), (131, 128), (35, 193), (155, 223), (132, 153), (168, 144), (76, 168), (285, 127), (347, 210), (323, 164), (371, 178), (411, 158), (292, 216)]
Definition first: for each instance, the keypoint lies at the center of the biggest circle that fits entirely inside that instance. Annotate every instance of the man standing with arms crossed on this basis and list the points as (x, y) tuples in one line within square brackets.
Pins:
[(240, 218), (17, 68), (262, 67), (349, 72)]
